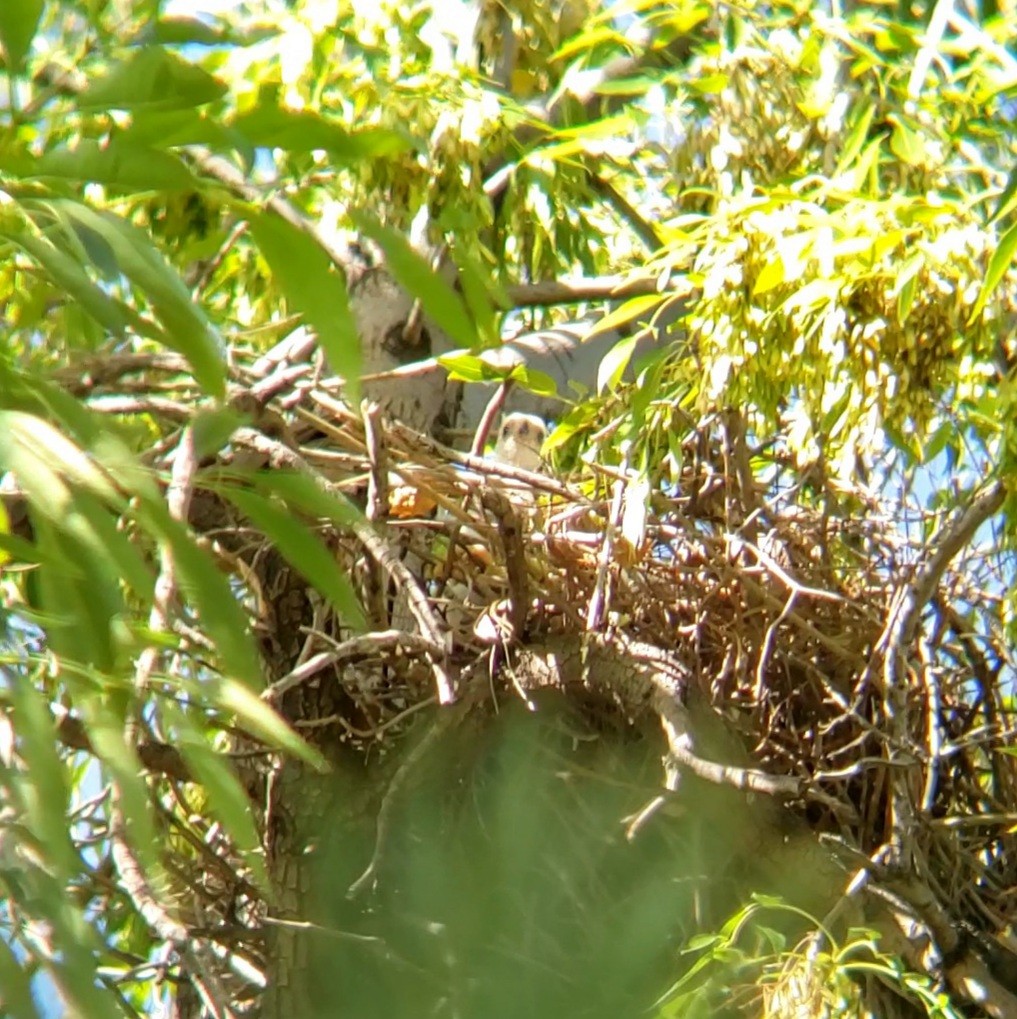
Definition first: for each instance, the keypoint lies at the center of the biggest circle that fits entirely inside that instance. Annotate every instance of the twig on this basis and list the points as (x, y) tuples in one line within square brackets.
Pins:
[(491, 411), (515, 558), (596, 288), (377, 504), (902, 625), (598, 599), (366, 645), (281, 455)]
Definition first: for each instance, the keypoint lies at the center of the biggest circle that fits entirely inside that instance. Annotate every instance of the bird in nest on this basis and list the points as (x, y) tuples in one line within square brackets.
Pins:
[(520, 439)]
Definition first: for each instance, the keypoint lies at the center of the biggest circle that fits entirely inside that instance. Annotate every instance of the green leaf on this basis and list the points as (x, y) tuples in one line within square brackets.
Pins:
[(226, 800), (260, 720), (212, 430), (1007, 200), (106, 734), (80, 591), (631, 309), (614, 363), (438, 299), (121, 163), (770, 276), (152, 77), (180, 31), (906, 285), (533, 380), (216, 601), (189, 331), (68, 274), (304, 550), (472, 368), (17, 997), (310, 497), (276, 127), (906, 143), (711, 84), (41, 457), (44, 791), (312, 286), (855, 139), (169, 128), (19, 21), (1000, 262)]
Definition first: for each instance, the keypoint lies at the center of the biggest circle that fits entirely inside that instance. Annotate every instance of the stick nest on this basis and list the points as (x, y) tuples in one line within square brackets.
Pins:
[(782, 620)]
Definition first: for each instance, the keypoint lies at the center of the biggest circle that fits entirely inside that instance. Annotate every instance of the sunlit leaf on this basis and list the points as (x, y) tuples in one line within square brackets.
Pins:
[(119, 164), (614, 363), (67, 273), (217, 603), (906, 143), (440, 302), (312, 286), (1002, 259), (151, 77), (260, 720), (304, 550), (227, 801), (17, 991), (306, 130), (305, 494), (106, 734), (634, 509), (188, 328), (633, 308), (770, 276), (44, 791), (19, 20)]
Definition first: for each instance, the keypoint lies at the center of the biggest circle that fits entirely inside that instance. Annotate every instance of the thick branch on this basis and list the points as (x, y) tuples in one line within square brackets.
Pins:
[(596, 288)]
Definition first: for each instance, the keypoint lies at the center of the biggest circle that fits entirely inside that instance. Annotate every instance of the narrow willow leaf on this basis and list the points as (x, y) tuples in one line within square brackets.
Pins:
[(305, 494), (635, 505), (80, 591), (1007, 197), (16, 997), (533, 380), (631, 309), (188, 329), (260, 720), (106, 734), (855, 139), (438, 299), (484, 297), (120, 163), (43, 783), (275, 126), (906, 143), (312, 286), (463, 367), (1000, 262), (770, 276), (226, 800), (218, 604), (173, 128), (19, 20), (151, 77), (304, 550), (5, 534), (68, 274), (117, 549), (614, 363), (38, 454)]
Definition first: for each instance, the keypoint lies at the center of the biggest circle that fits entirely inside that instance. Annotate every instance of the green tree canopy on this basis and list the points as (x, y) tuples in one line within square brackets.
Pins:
[(251, 259)]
